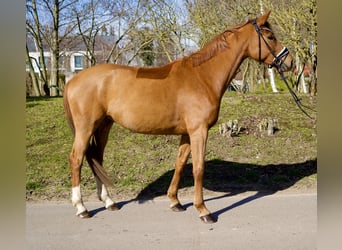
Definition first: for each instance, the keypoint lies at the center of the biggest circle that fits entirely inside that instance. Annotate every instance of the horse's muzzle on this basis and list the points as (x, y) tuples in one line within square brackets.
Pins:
[(287, 66)]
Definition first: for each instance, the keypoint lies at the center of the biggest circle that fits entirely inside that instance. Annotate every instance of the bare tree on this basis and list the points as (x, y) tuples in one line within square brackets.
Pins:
[(168, 27), (33, 32), (122, 17), (145, 39), (48, 26), (58, 27), (91, 18)]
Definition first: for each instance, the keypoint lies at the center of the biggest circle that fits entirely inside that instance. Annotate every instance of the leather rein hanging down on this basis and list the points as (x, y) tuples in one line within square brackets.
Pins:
[(277, 63)]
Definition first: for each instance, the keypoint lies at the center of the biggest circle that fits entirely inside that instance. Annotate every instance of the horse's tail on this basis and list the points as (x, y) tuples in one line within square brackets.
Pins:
[(96, 166), (67, 110)]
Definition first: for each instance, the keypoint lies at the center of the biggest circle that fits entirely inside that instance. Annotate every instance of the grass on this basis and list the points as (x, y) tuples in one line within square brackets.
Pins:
[(143, 164)]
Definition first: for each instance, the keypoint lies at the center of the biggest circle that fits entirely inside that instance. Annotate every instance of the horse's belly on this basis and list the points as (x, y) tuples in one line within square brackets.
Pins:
[(149, 119), (152, 125)]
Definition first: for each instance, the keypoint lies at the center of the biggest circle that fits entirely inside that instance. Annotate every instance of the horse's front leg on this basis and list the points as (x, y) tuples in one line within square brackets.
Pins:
[(198, 146), (182, 157)]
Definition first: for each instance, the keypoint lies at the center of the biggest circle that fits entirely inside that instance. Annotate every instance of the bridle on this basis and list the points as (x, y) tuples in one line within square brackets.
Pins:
[(278, 62), (279, 59)]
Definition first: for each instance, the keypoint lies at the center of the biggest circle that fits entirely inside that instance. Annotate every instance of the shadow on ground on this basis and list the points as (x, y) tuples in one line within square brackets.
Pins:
[(232, 178)]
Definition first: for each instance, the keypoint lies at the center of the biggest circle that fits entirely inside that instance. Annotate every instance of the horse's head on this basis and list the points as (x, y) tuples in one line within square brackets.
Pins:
[(264, 47)]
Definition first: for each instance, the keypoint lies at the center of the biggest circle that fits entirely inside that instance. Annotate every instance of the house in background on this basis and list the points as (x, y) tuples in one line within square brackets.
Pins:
[(73, 58), (73, 54)]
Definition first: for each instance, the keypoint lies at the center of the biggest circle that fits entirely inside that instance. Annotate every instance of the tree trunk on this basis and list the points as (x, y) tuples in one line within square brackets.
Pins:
[(42, 79), (54, 74), (54, 51), (243, 84), (273, 85), (300, 79), (35, 82), (313, 87)]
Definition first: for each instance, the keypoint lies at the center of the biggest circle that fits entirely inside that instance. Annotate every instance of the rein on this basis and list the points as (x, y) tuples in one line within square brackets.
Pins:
[(277, 63)]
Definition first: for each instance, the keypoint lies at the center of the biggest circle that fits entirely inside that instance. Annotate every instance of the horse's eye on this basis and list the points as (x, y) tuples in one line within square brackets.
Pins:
[(271, 37)]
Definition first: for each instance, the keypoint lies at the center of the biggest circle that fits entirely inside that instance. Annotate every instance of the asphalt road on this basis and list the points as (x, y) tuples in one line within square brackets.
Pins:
[(247, 221)]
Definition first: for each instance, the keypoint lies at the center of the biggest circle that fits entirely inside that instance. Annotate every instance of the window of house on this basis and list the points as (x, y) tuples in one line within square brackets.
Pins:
[(78, 62), (46, 61)]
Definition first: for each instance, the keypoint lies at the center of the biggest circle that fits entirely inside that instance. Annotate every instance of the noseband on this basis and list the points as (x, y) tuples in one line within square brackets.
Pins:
[(277, 62)]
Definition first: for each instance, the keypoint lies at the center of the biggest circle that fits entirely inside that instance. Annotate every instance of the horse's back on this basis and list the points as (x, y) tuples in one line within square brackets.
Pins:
[(96, 76)]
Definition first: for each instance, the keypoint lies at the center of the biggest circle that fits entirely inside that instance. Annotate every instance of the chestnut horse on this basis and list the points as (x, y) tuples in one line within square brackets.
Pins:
[(181, 98)]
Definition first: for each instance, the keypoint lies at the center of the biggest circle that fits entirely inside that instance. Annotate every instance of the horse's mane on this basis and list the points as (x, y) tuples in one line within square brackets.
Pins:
[(213, 47)]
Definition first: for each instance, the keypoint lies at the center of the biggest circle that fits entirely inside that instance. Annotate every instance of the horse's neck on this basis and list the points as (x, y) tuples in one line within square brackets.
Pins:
[(221, 69)]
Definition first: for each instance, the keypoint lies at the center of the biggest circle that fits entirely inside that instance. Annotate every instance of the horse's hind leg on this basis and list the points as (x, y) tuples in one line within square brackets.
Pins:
[(79, 147), (94, 157), (182, 157)]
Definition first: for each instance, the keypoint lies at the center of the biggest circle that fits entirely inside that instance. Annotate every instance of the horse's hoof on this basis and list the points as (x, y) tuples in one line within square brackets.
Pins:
[(178, 208), (209, 219), (113, 207), (84, 215)]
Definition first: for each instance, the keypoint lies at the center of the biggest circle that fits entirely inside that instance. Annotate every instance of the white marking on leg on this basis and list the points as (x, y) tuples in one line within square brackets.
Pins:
[(103, 194), (105, 197), (76, 199)]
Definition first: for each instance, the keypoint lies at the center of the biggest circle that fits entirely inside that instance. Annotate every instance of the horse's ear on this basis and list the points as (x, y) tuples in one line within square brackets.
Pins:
[(263, 19)]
